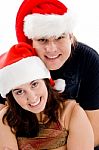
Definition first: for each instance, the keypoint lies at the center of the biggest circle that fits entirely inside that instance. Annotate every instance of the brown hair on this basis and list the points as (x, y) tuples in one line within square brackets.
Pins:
[(25, 123)]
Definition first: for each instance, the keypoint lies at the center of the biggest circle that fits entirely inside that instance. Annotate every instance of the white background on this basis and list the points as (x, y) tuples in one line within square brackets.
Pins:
[(87, 29)]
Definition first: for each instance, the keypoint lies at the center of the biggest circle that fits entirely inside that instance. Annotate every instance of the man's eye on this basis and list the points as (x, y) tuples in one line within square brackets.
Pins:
[(60, 37), (42, 40)]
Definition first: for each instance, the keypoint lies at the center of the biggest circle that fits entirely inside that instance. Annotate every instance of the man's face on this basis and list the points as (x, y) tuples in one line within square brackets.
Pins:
[(53, 51)]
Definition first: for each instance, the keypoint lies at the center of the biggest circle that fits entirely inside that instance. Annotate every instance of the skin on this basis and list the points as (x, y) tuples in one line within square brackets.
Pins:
[(5, 133), (2, 106), (94, 119), (33, 97), (53, 51)]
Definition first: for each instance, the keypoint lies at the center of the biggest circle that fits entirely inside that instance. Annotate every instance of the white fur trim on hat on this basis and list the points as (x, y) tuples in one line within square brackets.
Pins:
[(60, 85), (21, 72), (39, 25)]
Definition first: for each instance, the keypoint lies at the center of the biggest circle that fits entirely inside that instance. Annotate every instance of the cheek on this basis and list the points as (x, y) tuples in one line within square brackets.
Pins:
[(44, 92), (20, 101), (40, 53), (36, 45), (39, 50), (67, 48)]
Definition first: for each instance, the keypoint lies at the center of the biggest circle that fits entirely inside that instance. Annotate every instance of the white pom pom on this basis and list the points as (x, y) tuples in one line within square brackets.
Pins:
[(59, 85)]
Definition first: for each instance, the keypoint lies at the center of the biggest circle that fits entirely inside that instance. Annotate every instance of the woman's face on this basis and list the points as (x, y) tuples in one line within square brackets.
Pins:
[(53, 51), (31, 96)]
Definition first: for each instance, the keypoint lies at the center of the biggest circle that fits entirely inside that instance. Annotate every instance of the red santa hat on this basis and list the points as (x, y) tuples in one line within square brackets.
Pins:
[(43, 18), (20, 65)]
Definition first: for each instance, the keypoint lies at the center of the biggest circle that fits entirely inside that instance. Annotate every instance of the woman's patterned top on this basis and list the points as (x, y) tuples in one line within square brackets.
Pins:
[(51, 136)]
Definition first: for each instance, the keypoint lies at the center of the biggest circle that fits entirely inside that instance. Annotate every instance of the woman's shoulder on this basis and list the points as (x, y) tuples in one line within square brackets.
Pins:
[(68, 105), (2, 112), (71, 113), (66, 110), (5, 133), (73, 108)]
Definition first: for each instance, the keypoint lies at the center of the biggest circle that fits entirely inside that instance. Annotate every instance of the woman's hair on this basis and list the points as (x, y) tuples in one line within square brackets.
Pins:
[(25, 123)]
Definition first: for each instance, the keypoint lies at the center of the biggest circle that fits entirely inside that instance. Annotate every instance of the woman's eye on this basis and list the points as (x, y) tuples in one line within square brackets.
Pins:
[(34, 84), (19, 92)]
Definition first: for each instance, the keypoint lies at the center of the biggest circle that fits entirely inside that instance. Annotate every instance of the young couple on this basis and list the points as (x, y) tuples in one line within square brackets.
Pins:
[(47, 25)]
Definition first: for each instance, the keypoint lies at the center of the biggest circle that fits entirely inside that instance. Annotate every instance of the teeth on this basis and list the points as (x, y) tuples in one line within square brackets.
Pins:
[(36, 103), (52, 56)]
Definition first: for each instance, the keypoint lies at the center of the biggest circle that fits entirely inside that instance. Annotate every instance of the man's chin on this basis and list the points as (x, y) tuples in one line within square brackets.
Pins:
[(54, 67)]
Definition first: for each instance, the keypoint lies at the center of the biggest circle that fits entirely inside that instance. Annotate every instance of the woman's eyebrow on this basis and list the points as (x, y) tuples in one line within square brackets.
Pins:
[(32, 81), (15, 89)]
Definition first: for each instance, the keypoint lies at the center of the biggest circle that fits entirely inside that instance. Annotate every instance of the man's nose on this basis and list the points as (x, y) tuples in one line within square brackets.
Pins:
[(51, 46)]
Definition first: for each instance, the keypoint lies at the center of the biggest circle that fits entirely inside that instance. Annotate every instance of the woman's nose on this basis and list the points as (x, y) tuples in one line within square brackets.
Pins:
[(31, 96)]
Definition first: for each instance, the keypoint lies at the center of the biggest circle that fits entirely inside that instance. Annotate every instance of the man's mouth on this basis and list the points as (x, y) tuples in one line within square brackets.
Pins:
[(52, 57)]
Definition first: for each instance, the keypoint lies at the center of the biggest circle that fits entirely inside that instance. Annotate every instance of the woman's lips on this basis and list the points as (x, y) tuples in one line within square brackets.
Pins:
[(34, 103)]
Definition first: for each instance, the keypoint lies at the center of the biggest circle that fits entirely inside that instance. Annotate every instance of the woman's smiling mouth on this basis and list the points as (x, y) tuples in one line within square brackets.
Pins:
[(34, 103)]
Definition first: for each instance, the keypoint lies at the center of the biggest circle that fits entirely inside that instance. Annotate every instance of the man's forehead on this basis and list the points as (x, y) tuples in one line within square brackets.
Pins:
[(51, 37)]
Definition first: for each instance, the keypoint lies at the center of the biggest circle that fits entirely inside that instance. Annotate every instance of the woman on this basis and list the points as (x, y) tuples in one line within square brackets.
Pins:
[(37, 116)]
